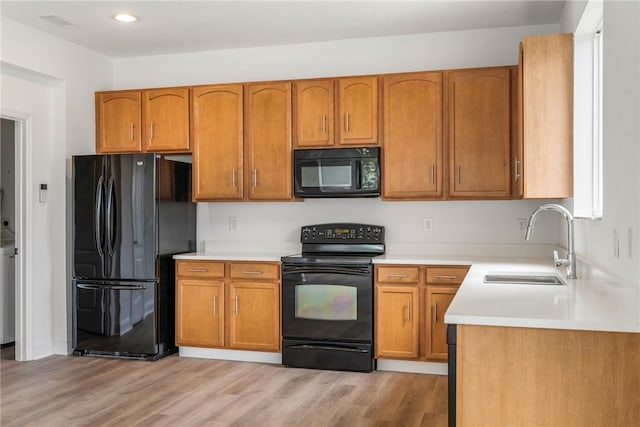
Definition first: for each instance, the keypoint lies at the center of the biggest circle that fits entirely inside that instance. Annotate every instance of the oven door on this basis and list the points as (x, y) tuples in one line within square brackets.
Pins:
[(333, 303)]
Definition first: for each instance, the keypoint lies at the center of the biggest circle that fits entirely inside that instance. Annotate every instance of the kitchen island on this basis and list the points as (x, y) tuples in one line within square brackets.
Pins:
[(542, 355)]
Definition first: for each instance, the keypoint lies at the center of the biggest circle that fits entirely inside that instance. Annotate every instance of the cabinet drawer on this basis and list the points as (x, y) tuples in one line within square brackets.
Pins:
[(205, 269), (397, 274), (449, 275), (245, 270)]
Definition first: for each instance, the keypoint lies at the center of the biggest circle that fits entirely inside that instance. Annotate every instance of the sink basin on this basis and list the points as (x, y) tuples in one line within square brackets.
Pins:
[(523, 279)]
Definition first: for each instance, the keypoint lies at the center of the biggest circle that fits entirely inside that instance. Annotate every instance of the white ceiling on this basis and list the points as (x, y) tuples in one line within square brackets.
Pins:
[(167, 27)]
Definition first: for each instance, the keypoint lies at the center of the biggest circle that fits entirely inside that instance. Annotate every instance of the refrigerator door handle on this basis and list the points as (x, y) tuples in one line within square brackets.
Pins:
[(98, 216), (110, 225)]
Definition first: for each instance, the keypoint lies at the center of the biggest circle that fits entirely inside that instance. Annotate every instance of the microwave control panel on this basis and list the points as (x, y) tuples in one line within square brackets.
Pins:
[(342, 233)]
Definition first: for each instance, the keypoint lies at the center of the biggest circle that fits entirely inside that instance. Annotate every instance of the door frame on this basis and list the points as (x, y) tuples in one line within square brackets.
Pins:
[(24, 289)]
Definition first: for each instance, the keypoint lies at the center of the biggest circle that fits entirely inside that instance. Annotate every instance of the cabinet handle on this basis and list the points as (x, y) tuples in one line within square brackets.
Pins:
[(151, 130), (346, 122), (396, 275), (215, 303), (252, 272), (233, 177), (433, 174), (408, 311), (132, 135), (517, 163), (255, 177), (447, 277), (435, 312), (198, 270), (236, 304), (324, 123), (458, 173)]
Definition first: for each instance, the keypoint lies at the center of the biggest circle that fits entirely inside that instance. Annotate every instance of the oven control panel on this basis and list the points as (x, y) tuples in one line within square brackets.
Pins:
[(342, 233)]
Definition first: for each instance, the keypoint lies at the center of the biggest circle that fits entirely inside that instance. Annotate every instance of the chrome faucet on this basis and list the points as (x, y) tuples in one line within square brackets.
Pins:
[(570, 260)]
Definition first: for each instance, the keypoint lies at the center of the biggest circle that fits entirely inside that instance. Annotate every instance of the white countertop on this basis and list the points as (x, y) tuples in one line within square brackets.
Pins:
[(231, 256), (593, 302)]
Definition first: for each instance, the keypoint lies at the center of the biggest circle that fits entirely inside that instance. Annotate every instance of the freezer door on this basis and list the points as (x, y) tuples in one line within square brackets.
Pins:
[(89, 192), (131, 217), (116, 318)]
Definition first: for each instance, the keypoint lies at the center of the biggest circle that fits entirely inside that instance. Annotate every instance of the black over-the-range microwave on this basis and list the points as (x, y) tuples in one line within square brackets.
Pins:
[(339, 172)]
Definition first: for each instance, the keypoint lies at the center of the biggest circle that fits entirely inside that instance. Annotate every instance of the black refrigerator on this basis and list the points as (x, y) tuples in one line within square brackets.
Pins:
[(131, 214)]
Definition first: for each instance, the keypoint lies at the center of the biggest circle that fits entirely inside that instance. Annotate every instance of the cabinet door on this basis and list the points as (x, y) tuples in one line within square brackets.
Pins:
[(358, 111), (397, 322), (217, 135), (438, 300), (412, 161), (200, 313), (546, 129), (268, 150), (254, 316), (118, 122), (478, 115), (165, 114), (314, 113)]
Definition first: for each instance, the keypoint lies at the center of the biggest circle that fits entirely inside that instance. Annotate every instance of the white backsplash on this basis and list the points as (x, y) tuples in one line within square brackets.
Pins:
[(454, 222)]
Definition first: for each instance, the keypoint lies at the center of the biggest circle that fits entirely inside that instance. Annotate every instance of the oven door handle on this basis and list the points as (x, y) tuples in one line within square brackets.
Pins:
[(357, 271), (328, 347)]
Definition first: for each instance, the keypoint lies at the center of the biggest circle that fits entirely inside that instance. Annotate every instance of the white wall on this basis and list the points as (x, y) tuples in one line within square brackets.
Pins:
[(337, 58), (41, 72), (454, 222), (621, 136)]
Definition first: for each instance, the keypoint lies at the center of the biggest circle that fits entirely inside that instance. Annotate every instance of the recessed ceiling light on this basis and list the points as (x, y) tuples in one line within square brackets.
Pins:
[(125, 17)]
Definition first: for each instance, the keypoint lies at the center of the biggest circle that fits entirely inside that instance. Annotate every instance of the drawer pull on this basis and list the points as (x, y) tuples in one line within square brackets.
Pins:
[(397, 275), (215, 303), (236, 304), (408, 311), (443, 277), (252, 272), (198, 270)]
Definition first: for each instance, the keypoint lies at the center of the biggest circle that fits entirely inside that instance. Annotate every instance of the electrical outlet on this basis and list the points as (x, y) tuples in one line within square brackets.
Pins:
[(234, 223), (427, 224), (522, 224)]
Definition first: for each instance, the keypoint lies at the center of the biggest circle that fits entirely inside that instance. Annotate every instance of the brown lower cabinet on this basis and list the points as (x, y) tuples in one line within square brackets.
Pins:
[(228, 304), (410, 304)]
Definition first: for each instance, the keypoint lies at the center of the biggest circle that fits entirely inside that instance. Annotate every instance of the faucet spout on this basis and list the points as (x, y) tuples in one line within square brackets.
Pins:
[(570, 261)]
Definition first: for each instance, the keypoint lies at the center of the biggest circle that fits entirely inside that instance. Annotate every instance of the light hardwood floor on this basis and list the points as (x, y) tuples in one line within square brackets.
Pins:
[(175, 391)]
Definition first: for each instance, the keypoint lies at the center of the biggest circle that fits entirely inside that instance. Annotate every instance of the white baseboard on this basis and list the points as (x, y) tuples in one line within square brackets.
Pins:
[(410, 366), (236, 355)]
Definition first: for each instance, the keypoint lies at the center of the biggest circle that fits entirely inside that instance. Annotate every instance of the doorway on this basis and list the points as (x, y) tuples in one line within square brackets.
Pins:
[(10, 132)]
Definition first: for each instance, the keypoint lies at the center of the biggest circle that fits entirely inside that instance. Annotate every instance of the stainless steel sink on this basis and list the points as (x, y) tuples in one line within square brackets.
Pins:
[(523, 279)]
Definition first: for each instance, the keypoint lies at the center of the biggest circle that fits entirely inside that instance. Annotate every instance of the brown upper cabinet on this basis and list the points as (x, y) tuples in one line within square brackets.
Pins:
[(268, 159), (412, 158), (118, 122), (165, 118), (217, 138), (544, 149), (479, 132), (314, 106), (149, 121), (320, 121), (358, 111)]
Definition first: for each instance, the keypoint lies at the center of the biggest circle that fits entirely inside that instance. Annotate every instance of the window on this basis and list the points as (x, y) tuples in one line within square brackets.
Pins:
[(587, 119)]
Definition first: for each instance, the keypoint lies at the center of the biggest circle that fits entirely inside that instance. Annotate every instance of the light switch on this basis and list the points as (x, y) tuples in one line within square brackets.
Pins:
[(43, 193)]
